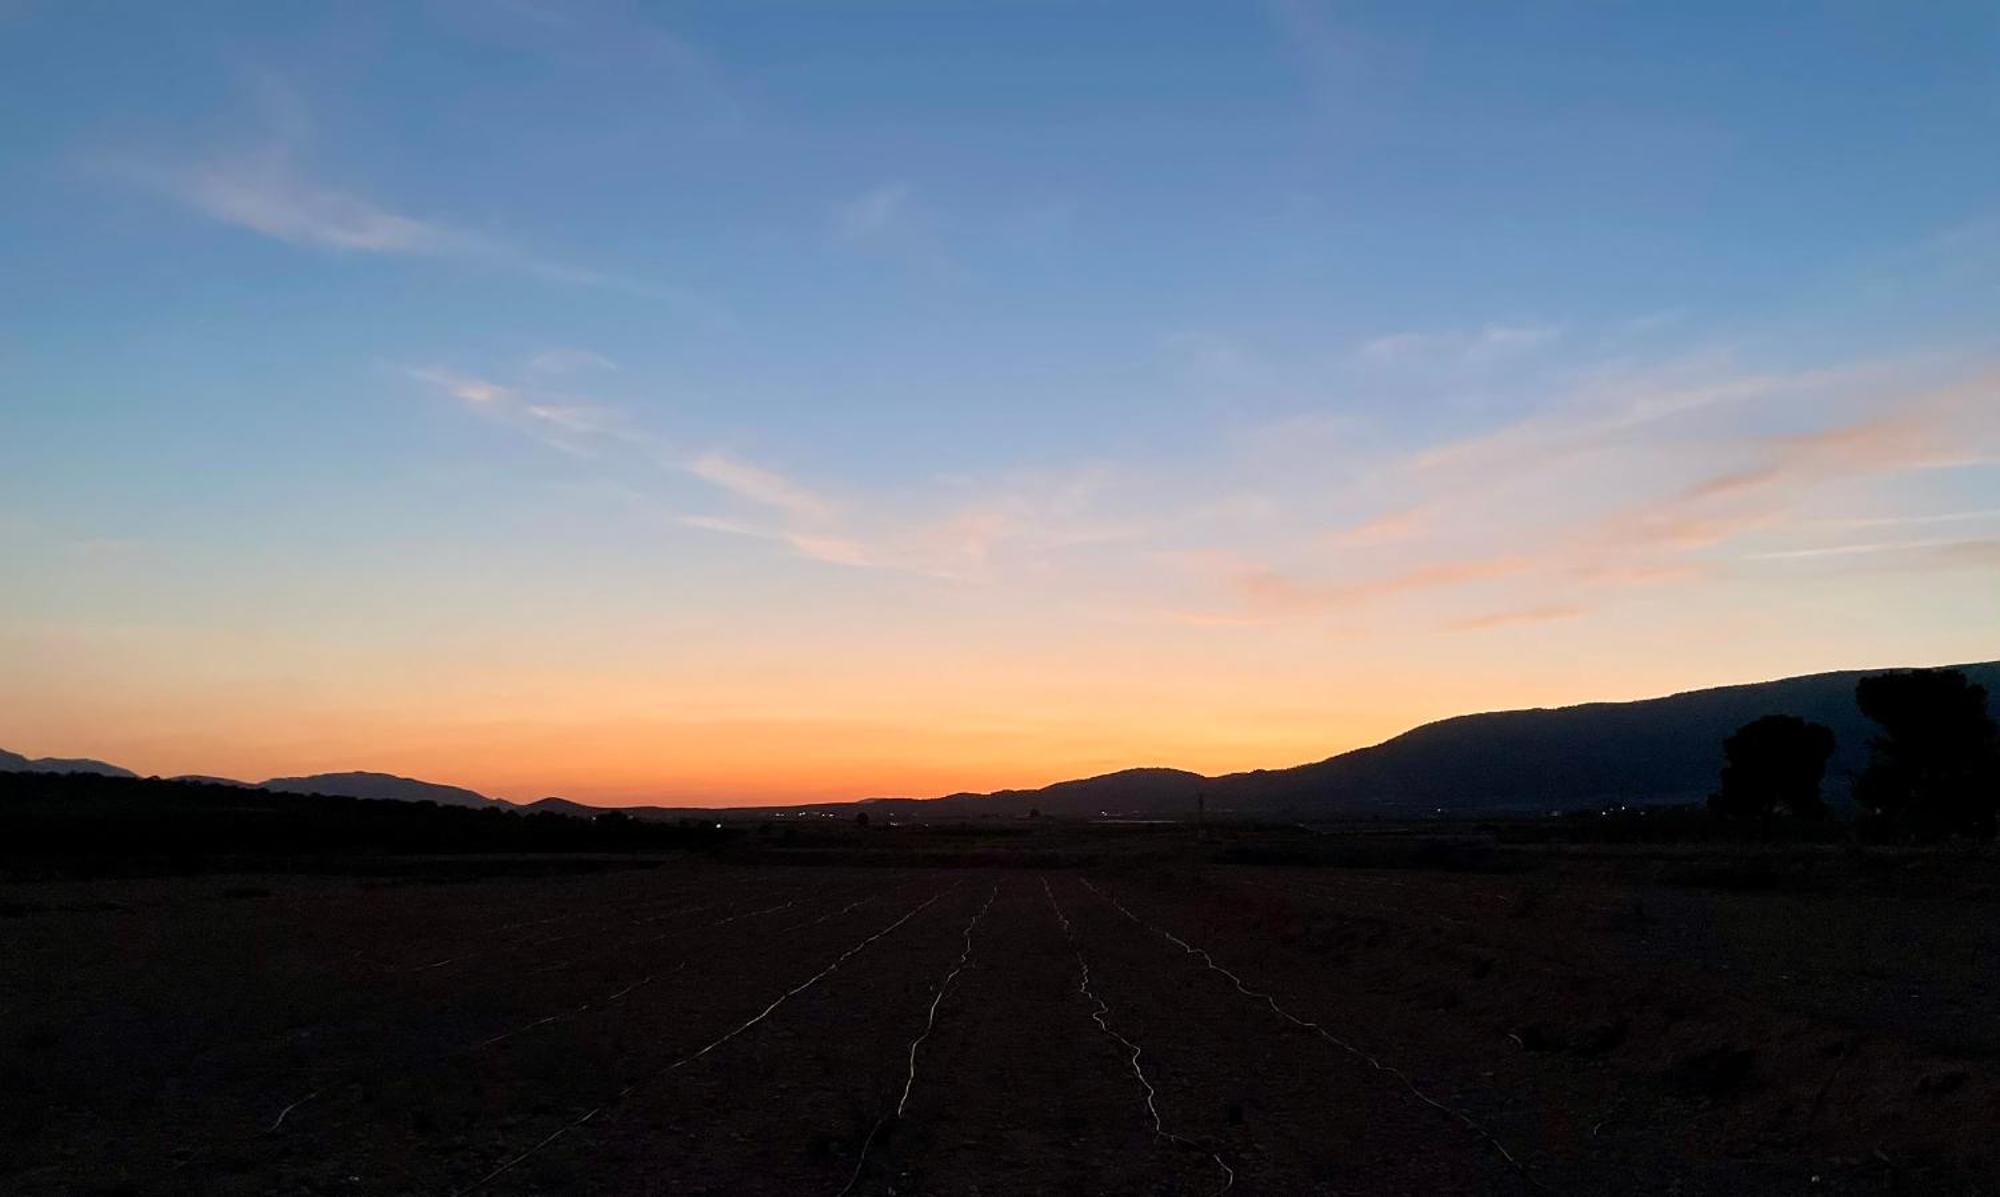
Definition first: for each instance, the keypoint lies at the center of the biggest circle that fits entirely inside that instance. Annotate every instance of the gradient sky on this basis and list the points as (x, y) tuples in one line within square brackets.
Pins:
[(744, 402)]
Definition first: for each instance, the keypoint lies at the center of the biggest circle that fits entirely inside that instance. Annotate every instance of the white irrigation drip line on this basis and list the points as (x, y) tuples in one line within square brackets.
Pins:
[(835, 914), (756, 913), (673, 931), (280, 1121), (540, 1022), (1100, 1016), (944, 987), (1464, 1118), (794, 991), (574, 1011), (1060, 917), (930, 1021), (645, 980), (565, 1013), (674, 913), (760, 1016)]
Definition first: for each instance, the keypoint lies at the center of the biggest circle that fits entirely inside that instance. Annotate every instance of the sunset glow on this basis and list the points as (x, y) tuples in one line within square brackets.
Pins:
[(639, 406)]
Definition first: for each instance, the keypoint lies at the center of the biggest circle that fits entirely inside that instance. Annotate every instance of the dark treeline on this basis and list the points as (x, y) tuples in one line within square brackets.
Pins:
[(79, 817), (1933, 771)]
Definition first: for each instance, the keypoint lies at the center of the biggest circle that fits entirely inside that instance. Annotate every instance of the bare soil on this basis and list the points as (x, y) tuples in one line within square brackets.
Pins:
[(1579, 1021)]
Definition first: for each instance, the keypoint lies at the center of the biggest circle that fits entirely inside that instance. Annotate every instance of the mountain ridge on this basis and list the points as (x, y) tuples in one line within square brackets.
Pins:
[(14, 762), (1649, 751), (365, 784)]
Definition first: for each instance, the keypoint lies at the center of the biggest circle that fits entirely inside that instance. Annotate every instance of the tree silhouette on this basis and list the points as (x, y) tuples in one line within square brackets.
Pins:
[(1935, 770), (1772, 762)]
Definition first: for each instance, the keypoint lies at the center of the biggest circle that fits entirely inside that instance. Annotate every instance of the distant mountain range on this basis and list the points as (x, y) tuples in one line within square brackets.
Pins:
[(342, 785), (1654, 751), (380, 785), (1650, 752), (14, 762)]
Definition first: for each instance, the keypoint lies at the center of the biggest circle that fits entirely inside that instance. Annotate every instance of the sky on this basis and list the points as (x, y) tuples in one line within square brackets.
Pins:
[(760, 402)]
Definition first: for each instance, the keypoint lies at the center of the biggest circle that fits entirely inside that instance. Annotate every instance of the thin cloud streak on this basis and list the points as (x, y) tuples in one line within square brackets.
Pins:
[(1645, 542), (761, 486), (1610, 412), (1901, 521), (1270, 591), (1483, 346), (1527, 615), (874, 213), (834, 550), (265, 188), (1395, 527), (265, 194), (1062, 530), (1855, 549), (575, 428)]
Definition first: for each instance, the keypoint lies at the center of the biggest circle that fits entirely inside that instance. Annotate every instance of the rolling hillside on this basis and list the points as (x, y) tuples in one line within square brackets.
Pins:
[(1652, 751)]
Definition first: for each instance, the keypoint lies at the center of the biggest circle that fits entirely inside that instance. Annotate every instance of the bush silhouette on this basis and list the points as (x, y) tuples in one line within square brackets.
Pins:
[(1770, 763), (1935, 770)]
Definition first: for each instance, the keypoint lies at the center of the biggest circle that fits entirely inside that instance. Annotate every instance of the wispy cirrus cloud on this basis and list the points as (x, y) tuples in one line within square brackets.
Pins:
[(1548, 613), (264, 184), (1272, 592), (834, 550), (265, 192), (1481, 346), (1901, 441), (1615, 409), (1394, 527), (764, 487), (1856, 549), (268, 191), (960, 537), (1928, 431), (875, 213), (1899, 556), (1566, 491), (464, 387), (1561, 513), (890, 219), (564, 422)]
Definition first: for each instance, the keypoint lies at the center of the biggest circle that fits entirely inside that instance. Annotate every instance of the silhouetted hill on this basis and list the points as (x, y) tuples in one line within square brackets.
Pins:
[(563, 806), (95, 821), (380, 785), (1649, 752), (14, 762), (1126, 792)]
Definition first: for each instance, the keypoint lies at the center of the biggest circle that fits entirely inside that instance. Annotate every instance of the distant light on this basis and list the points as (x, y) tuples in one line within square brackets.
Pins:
[(718, 827)]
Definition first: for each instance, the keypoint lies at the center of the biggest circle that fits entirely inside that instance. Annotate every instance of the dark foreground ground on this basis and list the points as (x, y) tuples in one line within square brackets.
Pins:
[(1557, 1018)]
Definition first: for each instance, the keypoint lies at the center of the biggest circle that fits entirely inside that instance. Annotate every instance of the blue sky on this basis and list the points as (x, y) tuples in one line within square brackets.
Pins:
[(950, 394)]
